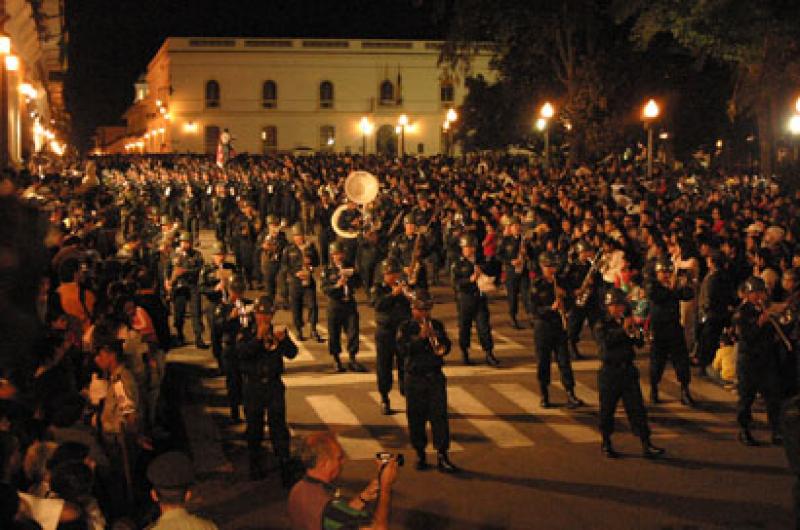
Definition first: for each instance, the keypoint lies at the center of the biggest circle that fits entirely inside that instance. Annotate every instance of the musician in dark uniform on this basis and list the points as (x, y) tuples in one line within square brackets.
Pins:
[(403, 248), (757, 360), (423, 342), (550, 338), (190, 203), (713, 303), (339, 285), (183, 276), (222, 208), (618, 377), (367, 258), (473, 304), (213, 280), (664, 293), (260, 357), (323, 214), (350, 220), (513, 252), (247, 226), (425, 217), (299, 260), (392, 307), (272, 243), (584, 279), (235, 319)]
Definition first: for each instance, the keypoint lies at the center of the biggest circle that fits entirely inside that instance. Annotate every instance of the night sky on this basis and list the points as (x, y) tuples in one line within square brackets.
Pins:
[(111, 41)]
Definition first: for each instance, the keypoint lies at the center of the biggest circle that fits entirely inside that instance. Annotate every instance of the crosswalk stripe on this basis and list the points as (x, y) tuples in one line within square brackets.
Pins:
[(400, 418), (303, 353), (700, 418), (526, 400), (355, 439), (500, 432)]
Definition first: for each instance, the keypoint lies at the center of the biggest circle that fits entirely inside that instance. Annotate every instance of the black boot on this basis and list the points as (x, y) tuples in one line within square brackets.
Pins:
[(515, 324), (355, 366), (200, 344), (573, 401), (444, 465), (545, 401), (572, 346), (465, 357), (386, 408), (316, 335), (299, 334), (746, 438), (608, 449), (686, 397), (422, 463), (777, 438), (649, 450), (337, 364), (654, 395), (491, 360)]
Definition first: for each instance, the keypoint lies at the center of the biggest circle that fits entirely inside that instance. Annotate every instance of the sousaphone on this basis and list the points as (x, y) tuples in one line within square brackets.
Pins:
[(360, 187)]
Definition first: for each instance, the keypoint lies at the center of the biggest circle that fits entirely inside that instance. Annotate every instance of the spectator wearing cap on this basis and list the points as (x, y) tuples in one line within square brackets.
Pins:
[(171, 475)]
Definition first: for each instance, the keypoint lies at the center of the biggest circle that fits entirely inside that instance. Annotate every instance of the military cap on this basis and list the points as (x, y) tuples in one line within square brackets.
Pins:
[(273, 220), (170, 471), (664, 264), (297, 230), (422, 300), (218, 248), (409, 219), (616, 296), (185, 236), (468, 241), (547, 259), (264, 305), (390, 266), (336, 247), (754, 284)]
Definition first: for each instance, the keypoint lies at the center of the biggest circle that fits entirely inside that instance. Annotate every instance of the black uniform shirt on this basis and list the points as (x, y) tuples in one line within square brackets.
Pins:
[(417, 350)]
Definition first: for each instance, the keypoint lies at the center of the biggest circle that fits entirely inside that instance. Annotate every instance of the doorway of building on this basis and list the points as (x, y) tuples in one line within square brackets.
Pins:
[(386, 141)]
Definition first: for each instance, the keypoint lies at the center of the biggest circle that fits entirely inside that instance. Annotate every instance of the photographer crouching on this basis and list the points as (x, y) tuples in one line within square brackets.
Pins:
[(314, 501)]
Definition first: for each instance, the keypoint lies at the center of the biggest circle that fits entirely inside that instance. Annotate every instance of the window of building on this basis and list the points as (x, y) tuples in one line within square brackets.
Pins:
[(211, 137), (269, 140), (447, 92), (326, 95), (212, 94), (387, 93), (327, 137), (269, 94)]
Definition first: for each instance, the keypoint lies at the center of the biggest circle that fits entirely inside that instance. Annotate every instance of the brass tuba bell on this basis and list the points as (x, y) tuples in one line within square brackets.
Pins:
[(360, 187)]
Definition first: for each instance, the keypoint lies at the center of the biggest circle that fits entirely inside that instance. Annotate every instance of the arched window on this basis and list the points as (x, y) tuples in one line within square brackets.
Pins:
[(269, 94), (387, 93), (326, 95), (212, 94)]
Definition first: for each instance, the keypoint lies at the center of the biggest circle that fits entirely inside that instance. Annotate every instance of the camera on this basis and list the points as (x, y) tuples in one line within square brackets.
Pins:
[(387, 457)]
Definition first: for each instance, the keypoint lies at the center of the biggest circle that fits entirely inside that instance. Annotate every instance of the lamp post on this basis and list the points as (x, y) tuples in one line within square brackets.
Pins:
[(402, 123), (649, 114), (449, 119), (365, 126), (545, 113), (5, 50), (794, 128)]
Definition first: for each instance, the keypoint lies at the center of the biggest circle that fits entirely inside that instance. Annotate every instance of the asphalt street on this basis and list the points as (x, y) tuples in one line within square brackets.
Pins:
[(523, 467)]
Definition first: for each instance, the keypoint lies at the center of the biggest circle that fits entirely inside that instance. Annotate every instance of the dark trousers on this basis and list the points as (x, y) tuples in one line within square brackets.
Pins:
[(269, 396), (233, 377), (474, 308), (269, 274), (303, 297), (180, 299), (191, 223), (221, 230), (709, 333), (672, 348), (577, 316), (388, 354), (621, 382), (215, 332), (426, 401), (342, 317), (752, 381), (244, 260), (550, 339), (513, 290)]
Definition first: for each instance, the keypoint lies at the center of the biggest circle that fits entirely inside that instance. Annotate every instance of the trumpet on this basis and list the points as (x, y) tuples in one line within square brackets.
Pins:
[(433, 339), (270, 339)]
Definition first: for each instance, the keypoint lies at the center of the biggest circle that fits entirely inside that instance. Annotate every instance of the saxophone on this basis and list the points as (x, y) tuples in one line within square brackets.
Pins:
[(438, 348)]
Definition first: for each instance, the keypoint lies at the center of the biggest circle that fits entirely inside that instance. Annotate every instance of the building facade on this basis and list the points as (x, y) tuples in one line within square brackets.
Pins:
[(290, 95)]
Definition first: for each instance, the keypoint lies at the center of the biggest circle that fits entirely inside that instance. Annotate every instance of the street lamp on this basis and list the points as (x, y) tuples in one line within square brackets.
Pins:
[(366, 127), (402, 123), (545, 113), (450, 118), (649, 115)]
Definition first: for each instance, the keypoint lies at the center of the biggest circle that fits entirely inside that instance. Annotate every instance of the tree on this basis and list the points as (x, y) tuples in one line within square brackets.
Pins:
[(758, 38)]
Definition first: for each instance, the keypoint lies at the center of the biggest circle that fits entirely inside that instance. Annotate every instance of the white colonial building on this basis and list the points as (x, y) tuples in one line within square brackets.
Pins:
[(285, 95)]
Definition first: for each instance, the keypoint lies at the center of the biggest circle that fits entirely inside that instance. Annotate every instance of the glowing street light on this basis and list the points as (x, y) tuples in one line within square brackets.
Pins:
[(402, 123), (366, 127), (547, 111), (545, 114), (794, 124), (649, 114), (541, 124), (12, 63), (5, 45), (452, 115)]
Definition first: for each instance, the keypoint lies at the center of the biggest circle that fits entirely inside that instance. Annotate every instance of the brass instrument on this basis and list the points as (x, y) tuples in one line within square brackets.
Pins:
[(521, 255), (436, 345), (485, 282), (560, 299), (306, 273), (361, 187), (774, 321)]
